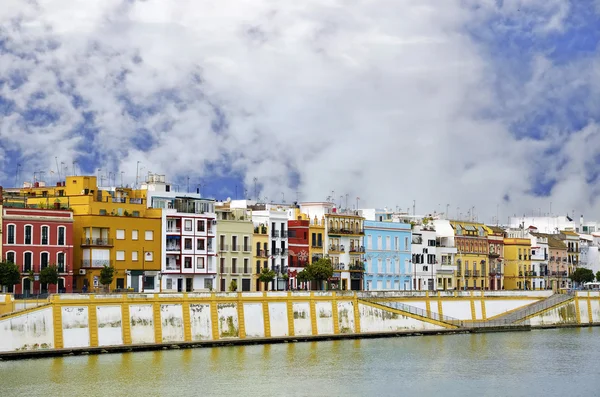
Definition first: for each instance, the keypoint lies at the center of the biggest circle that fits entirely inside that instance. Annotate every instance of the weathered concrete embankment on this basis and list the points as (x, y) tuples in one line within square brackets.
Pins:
[(93, 324)]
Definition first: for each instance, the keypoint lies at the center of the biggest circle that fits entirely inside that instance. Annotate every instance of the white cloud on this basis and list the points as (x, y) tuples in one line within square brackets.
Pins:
[(379, 102)]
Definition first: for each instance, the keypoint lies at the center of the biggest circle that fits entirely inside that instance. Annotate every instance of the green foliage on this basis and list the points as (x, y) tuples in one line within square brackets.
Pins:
[(106, 275), (582, 275), (233, 286), (266, 275), (49, 275), (9, 274)]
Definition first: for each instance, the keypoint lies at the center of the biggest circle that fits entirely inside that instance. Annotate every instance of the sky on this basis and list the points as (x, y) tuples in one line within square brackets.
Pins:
[(487, 107)]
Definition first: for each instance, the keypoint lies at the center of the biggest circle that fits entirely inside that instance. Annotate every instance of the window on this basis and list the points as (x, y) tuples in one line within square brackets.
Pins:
[(10, 257), (134, 255), (149, 235), (60, 262), (187, 262), (188, 225), (200, 246), (199, 262), (45, 235), (188, 244), (120, 255), (61, 235), (11, 234), (200, 226), (27, 262), (28, 232), (44, 260), (134, 234), (120, 234)]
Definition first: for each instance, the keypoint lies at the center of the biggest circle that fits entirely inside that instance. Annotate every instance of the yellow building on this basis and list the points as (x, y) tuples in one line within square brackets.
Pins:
[(260, 253), (111, 227), (517, 263), (472, 255), (235, 232)]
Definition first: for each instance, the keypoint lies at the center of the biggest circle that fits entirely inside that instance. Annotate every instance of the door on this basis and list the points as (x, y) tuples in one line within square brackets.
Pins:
[(179, 285), (188, 284), (135, 283)]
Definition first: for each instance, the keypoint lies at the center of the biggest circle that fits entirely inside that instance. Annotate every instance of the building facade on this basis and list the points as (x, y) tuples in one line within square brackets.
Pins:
[(388, 256), (35, 239), (235, 258)]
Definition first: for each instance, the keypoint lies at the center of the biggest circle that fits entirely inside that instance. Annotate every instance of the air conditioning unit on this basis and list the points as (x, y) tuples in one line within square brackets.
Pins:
[(82, 272)]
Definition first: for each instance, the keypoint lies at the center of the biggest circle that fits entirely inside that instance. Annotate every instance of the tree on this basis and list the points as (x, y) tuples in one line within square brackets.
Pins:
[(582, 275), (49, 275), (233, 286), (9, 274), (266, 276), (320, 270), (106, 275)]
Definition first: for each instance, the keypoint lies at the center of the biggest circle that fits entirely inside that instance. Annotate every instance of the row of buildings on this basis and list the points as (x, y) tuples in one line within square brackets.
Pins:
[(161, 240)]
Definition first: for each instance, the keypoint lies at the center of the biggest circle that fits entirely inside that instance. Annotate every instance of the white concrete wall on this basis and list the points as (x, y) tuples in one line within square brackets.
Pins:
[(75, 323), (28, 331), (254, 320), (346, 317), (228, 320), (564, 314), (302, 322), (278, 319), (171, 318), (200, 321), (377, 320), (324, 318), (110, 327), (141, 319)]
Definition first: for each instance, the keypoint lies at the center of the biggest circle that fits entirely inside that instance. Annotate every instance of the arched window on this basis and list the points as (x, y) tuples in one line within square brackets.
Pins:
[(45, 232), (44, 259), (11, 234)]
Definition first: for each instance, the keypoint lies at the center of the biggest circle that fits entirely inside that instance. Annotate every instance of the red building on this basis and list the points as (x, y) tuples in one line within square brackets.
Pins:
[(298, 249), (35, 238)]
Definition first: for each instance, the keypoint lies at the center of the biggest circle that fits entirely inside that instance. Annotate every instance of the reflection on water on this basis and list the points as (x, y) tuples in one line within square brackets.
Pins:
[(538, 363)]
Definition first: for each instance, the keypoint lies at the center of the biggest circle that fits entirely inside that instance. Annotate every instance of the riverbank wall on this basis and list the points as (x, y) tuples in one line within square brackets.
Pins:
[(131, 321)]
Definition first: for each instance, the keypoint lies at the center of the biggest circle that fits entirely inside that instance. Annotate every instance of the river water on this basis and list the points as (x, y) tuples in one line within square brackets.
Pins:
[(538, 363)]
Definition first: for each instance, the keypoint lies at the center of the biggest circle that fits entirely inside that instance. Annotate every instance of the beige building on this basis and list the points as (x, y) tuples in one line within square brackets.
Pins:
[(235, 253)]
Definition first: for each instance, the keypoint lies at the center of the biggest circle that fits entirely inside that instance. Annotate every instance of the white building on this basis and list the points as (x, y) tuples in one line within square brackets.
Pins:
[(188, 237)]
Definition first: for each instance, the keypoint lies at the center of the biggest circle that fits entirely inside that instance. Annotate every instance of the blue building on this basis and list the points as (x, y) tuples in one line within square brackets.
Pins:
[(387, 255)]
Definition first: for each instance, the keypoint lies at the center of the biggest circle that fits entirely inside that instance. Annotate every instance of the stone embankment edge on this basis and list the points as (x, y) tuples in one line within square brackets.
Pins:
[(32, 354)]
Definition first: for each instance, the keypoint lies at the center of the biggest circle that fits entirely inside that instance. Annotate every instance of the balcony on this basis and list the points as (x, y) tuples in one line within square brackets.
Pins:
[(173, 247), (95, 262), (173, 230), (97, 242), (275, 233)]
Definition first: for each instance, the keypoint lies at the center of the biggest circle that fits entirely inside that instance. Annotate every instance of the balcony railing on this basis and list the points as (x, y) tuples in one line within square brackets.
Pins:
[(95, 262), (99, 242)]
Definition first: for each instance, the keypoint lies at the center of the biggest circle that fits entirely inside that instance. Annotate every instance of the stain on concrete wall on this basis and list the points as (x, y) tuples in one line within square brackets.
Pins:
[(31, 331), (346, 317), (324, 318), (171, 318), (200, 322), (141, 319), (377, 320), (278, 319), (302, 322), (110, 329), (228, 320), (75, 322), (254, 320)]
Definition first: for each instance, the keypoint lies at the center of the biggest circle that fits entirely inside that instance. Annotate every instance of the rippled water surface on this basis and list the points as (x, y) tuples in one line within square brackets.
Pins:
[(537, 363)]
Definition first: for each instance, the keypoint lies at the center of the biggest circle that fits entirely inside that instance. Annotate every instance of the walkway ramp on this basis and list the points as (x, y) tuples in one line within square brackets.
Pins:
[(414, 312), (530, 310)]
